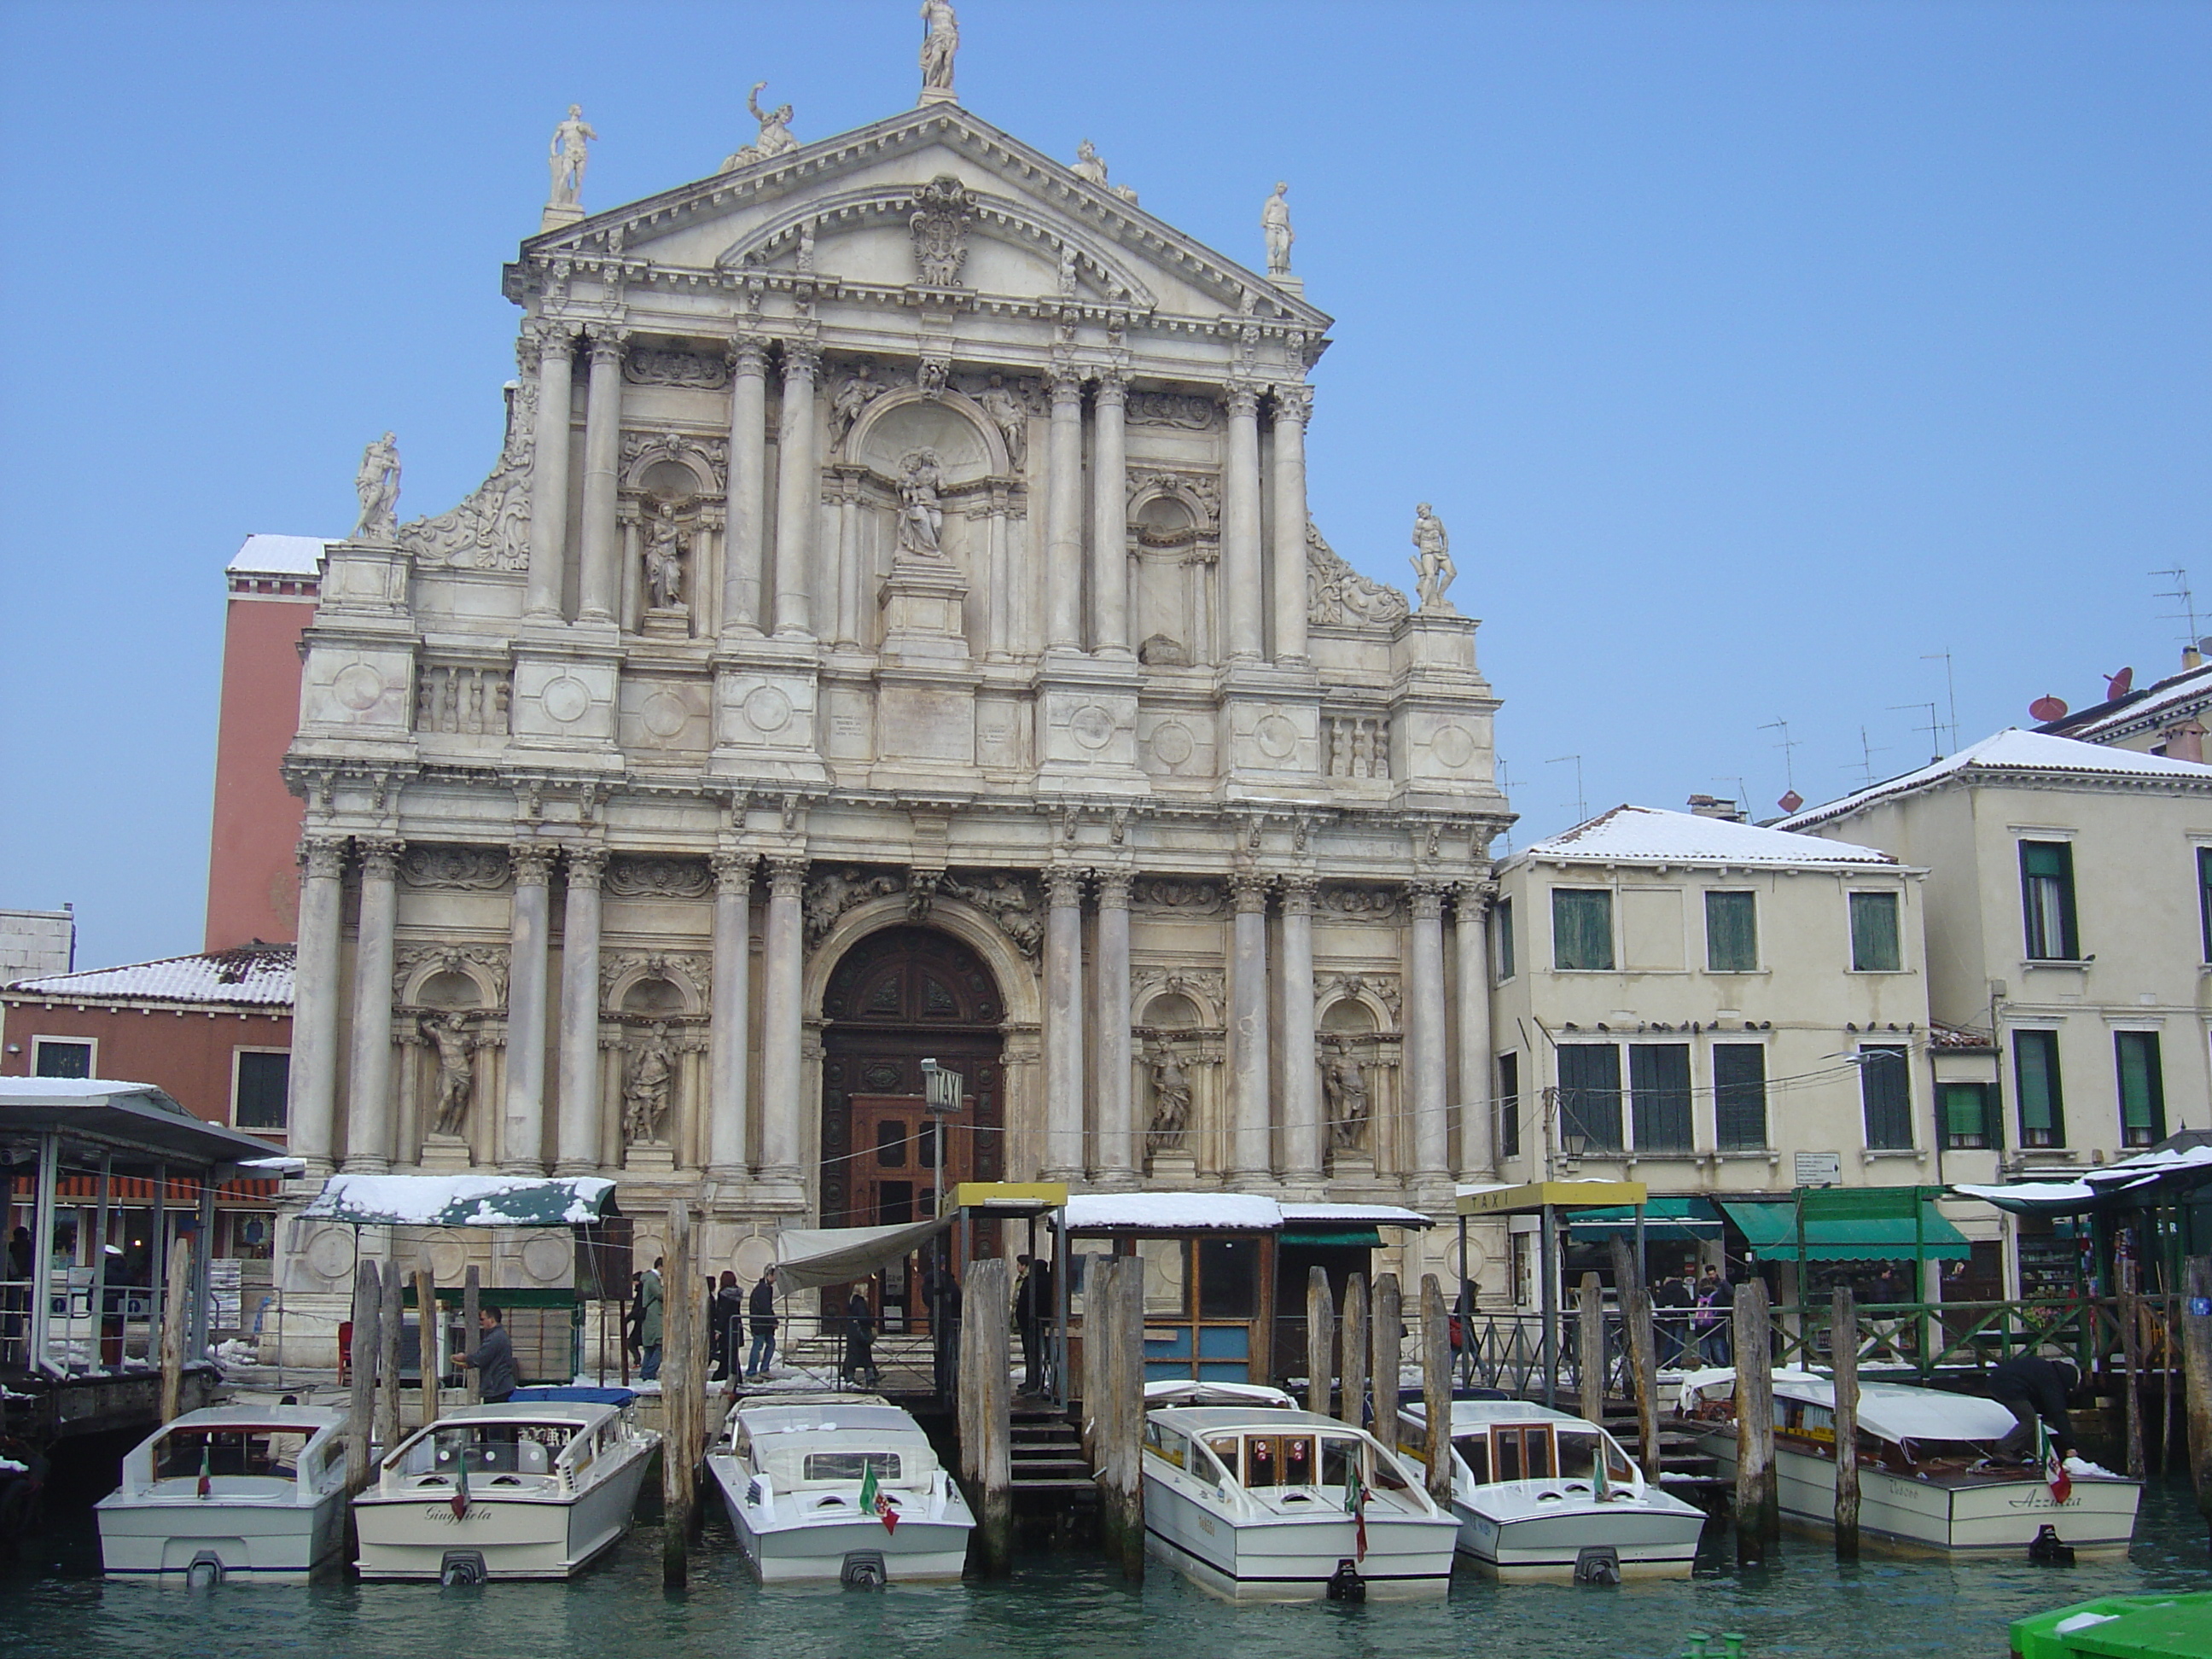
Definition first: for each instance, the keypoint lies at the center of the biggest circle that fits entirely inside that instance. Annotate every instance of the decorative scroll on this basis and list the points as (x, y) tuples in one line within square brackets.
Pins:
[(692, 369), (648, 876), (1011, 901), (1172, 408), (1337, 596), (1179, 896), (1368, 903), (467, 869)]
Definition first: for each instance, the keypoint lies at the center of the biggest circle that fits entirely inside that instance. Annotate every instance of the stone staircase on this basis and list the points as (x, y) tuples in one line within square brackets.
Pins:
[(1047, 1465)]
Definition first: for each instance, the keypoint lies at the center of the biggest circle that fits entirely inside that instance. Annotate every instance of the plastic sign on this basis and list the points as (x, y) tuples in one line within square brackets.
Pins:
[(940, 1087)]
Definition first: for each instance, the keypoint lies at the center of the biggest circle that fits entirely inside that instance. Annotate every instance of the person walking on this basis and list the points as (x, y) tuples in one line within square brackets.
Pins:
[(761, 1306), (1709, 1323), (729, 1327), (2033, 1390), (941, 1293), (1032, 1316), (1674, 1295), (650, 1296), (860, 1339), (493, 1357)]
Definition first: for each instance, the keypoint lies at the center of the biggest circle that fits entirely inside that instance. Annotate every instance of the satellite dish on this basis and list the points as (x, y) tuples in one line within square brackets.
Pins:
[(2047, 709), (2120, 684), (1790, 802)]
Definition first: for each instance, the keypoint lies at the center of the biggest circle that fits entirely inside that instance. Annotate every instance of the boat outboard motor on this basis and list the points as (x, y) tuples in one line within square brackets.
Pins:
[(462, 1569), (2049, 1549), (205, 1571), (1346, 1584), (1597, 1565), (863, 1570)]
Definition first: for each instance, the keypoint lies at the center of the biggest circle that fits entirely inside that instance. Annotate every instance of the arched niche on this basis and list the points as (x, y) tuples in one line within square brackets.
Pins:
[(1171, 1011), (449, 987), (657, 990), (656, 997), (907, 419), (1349, 1015)]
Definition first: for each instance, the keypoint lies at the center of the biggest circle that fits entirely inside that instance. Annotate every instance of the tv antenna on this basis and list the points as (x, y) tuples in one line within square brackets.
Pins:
[(1582, 807), (2180, 594), (1950, 691), (1742, 794), (1867, 752), (1934, 728), (1788, 745)]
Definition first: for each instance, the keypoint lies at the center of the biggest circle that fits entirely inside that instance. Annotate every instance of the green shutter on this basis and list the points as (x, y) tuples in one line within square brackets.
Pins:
[(1582, 928), (1508, 1105), (1505, 940), (2143, 1087), (1732, 933), (1739, 1096), (1589, 1092), (1659, 1089), (1874, 934), (1965, 1114), (1886, 1093), (2035, 1080), (2204, 897)]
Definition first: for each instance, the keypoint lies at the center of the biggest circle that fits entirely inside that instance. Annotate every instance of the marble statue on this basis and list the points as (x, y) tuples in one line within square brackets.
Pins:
[(449, 1035), (1088, 167), (1433, 570), (1007, 414), (377, 483), (569, 158), (663, 559), (1344, 1084), (1275, 219), (1170, 1103), (1066, 272), (645, 1097), (861, 389), (940, 46), (775, 137), (921, 514)]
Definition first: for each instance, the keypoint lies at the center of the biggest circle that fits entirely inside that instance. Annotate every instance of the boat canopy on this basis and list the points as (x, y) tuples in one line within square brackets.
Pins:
[(2177, 1162), (404, 1201), (1860, 1224), (1887, 1411)]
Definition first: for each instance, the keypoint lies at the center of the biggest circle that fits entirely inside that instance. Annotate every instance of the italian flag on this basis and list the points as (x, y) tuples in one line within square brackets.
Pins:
[(1355, 1505), (2054, 1469), (207, 1471), (875, 1502)]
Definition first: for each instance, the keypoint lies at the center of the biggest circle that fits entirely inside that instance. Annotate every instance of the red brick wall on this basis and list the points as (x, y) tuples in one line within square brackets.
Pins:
[(189, 1055), (253, 883)]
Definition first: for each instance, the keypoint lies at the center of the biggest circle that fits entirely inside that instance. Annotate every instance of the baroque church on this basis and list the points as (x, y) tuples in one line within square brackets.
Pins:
[(893, 631)]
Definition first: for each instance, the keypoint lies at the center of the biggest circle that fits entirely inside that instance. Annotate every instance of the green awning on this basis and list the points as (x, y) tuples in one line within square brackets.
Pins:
[(1663, 1218), (1345, 1238), (1865, 1224)]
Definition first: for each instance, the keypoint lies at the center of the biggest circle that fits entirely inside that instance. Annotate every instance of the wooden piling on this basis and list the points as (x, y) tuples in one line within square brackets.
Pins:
[(678, 1459), (1321, 1341), (176, 1294), (391, 1301), (472, 1306), (360, 1404), (426, 1309), (1844, 1357), (1757, 1519), (2131, 1361), (1590, 1343), (1352, 1369), (1387, 1331), (1436, 1387), (1636, 1322), (2196, 1384), (2170, 1349), (986, 1404), (1115, 1374)]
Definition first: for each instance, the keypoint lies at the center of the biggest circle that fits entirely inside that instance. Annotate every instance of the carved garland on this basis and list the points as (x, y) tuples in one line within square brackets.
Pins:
[(652, 876), (463, 869)]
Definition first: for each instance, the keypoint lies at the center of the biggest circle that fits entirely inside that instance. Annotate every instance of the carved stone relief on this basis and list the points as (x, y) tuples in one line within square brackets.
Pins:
[(488, 962), (676, 970), (467, 869), (1383, 987), (657, 463), (831, 893), (489, 529), (1366, 903), (1011, 901), (940, 224), (1172, 408), (692, 369), (1179, 896), (651, 876), (1205, 988), (1337, 596)]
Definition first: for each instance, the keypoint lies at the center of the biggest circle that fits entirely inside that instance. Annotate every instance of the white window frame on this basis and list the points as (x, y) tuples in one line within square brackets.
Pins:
[(91, 1066), (261, 1049)]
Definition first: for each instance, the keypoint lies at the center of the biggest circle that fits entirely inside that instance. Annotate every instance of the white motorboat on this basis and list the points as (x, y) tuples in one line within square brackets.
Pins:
[(1187, 1391), (1542, 1494), (1924, 1477), (825, 1489), (245, 1492), (1265, 1504), (537, 1487)]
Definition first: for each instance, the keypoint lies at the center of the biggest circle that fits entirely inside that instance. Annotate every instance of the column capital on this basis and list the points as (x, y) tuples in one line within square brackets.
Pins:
[(787, 874), (609, 344), (1293, 402), (1247, 891), (1299, 892), (1114, 888), (1426, 898), (379, 856), (1063, 886), (323, 856), (1473, 896), (1112, 386), (549, 339), (586, 865), (1067, 388), (532, 862), (733, 869), (802, 359), (1241, 401), (748, 355)]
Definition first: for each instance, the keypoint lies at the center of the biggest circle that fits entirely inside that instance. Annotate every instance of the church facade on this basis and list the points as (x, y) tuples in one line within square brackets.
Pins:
[(893, 631)]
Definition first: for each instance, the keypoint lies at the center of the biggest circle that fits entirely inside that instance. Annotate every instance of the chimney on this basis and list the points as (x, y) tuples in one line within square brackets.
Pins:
[(1712, 807), (2192, 658), (2184, 741)]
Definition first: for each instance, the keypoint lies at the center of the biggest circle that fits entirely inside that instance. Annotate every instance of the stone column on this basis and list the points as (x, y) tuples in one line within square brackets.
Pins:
[(523, 1132), (748, 495), (733, 927), (1294, 403), (1424, 1033), (577, 1150), (1477, 1153), (781, 1022), (313, 1134), (1063, 519), (1303, 1132), (602, 561), (1241, 598), (798, 500), (1109, 519), (1251, 1156), (1063, 1026), (1117, 1161), (548, 476), (368, 1088)]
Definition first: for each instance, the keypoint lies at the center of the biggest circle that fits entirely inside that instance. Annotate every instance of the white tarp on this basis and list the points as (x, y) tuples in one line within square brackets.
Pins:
[(1180, 1212), (807, 1258)]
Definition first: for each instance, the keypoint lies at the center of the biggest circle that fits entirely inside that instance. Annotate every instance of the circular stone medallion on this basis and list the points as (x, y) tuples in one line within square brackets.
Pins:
[(545, 1259), (358, 687), (1092, 726), (766, 709), (331, 1256), (1276, 736), (664, 715), (1172, 742), (1453, 745), (566, 699)]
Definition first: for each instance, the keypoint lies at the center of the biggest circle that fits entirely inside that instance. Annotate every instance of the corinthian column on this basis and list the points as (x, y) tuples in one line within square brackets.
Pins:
[(733, 926), (1250, 1154), (1294, 403), (1110, 519), (602, 571), (1301, 1124), (313, 1134), (1424, 1032), (368, 1090), (523, 1132), (1240, 526), (1478, 1154), (578, 1152), (548, 476), (1063, 1026), (781, 1022), (1063, 519), (748, 497), (1116, 1162), (797, 504)]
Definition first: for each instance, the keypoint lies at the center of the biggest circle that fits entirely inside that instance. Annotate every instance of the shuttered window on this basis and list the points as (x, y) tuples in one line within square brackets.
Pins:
[(1965, 1115), (2046, 898), (1582, 928), (263, 1085), (1731, 932), (1659, 1093), (1503, 936), (1589, 1093), (1874, 934), (1739, 1096), (2035, 1084), (1508, 1105), (2143, 1088), (1886, 1093)]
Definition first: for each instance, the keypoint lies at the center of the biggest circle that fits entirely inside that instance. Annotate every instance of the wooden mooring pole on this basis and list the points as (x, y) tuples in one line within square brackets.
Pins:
[(1113, 1370), (1843, 1357), (1643, 1359), (2131, 1361), (1321, 1341), (678, 1458), (389, 1328), (426, 1310), (360, 1403), (986, 1406), (2197, 1386), (1589, 1344), (1351, 1406), (1387, 1328), (1756, 1517), (176, 1292), (1436, 1387)]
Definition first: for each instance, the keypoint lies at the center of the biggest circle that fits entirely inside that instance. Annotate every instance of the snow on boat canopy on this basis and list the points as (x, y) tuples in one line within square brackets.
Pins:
[(1887, 1411), (2179, 1161), (370, 1200)]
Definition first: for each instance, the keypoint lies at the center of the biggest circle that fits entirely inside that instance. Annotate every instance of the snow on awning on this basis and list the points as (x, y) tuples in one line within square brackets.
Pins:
[(1312, 1216), (361, 1200), (807, 1258), (2188, 1165), (1172, 1212)]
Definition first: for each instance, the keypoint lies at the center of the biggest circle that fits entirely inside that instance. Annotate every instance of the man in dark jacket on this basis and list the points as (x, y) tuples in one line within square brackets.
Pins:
[(2033, 1390), (761, 1306), (1033, 1316), (493, 1359), (859, 1340), (728, 1317), (1672, 1299)]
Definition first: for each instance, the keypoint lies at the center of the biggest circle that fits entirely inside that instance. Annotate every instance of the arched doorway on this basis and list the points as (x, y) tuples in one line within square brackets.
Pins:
[(901, 996)]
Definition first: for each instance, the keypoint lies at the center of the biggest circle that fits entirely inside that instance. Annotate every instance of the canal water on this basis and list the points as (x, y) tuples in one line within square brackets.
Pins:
[(1065, 1601)]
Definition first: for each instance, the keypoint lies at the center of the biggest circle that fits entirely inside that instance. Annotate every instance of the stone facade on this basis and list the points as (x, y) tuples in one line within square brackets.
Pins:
[(898, 532)]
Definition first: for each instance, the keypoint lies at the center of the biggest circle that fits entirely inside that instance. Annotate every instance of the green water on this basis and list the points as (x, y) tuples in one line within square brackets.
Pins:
[(1064, 1601)]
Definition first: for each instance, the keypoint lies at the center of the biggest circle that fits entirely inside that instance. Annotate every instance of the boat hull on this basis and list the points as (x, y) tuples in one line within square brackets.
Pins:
[(404, 1536), (1649, 1542), (160, 1537), (1293, 1559), (919, 1552)]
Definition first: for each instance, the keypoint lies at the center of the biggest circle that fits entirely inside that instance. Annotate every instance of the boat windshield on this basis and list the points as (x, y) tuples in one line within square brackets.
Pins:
[(185, 1453), (1302, 1459), (1579, 1450), (488, 1447), (1474, 1450), (851, 1466)]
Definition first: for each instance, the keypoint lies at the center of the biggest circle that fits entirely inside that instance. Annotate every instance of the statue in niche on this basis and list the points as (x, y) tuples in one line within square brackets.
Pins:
[(1344, 1084), (664, 546), (921, 514), (1067, 272), (861, 389), (1007, 415), (645, 1097), (1170, 1103), (377, 483), (776, 138), (449, 1035), (569, 158), (1275, 220), (1433, 570), (940, 46)]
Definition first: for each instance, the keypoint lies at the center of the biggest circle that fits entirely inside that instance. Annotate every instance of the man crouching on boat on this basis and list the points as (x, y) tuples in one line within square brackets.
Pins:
[(2033, 1390)]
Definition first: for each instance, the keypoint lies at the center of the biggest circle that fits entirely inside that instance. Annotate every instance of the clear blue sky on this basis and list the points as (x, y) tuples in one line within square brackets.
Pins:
[(1752, 352)]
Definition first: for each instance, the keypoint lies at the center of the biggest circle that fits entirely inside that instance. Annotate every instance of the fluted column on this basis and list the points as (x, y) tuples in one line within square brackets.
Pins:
[(1063, 519), (1109, 519), (602, 552), (1294, 403), (578, 1152), (549, 476), (1302, 1124), (368, 1086), (743, 560), (798, 492), (733, 927), (1477, 1151), (523, 1131), (1250, 1155), (1242, 599), (1063, 1026), (781, 1022), (314, 1133), (1424, 1032), (1117, 1144)]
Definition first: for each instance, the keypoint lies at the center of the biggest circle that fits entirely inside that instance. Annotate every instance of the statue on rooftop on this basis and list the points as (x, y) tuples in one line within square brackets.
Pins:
[(1433, 570), (775, 137), (377, 483), (569, 158), (1088, 166), (938, 46), (1275, 220)]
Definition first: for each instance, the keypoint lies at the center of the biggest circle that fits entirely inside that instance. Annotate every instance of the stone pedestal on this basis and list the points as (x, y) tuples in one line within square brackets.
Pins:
[(765, 696), (1086, 725), (666, 622), (651, 1160), (1351, 1166), (925, 686), (1172, 1169), (446, 1155), (1270, 727)]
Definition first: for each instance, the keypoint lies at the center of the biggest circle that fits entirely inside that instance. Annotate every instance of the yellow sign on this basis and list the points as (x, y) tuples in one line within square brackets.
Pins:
[(1027, 1196), (1534, 1195)]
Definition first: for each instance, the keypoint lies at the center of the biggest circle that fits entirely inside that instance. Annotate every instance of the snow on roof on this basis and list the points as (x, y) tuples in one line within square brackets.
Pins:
[(82, 1088), (280, 555), (2184, 692), (2011, 750), (1203, 1213), (1368, 1215), (1648, 834), (461, 1200), (256, 973)]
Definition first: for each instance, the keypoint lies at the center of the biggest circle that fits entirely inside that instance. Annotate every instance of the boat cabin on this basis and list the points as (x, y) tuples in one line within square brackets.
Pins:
[(1507, 1440), (546, 1448), (268, 1449), (1288, 1462)]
